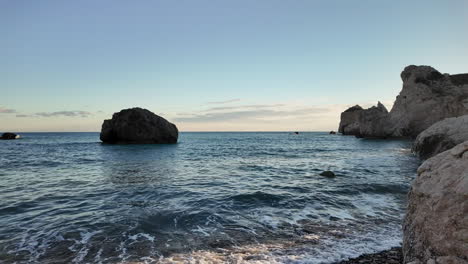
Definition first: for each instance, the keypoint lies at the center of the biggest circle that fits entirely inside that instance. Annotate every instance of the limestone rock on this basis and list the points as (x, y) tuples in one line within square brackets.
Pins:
[(373, 122), (441, 136), (138, 126), (349, 123), (426, 98), (436, 222)]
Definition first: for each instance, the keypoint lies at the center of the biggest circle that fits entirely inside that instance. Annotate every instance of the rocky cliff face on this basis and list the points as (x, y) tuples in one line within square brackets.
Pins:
[(426, 98), (138, 126), (441, 136), (373, 122), (436, 224), (349, 121)]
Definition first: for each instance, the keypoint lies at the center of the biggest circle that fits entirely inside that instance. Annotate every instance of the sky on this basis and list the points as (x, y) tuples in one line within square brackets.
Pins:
[(216, 65)]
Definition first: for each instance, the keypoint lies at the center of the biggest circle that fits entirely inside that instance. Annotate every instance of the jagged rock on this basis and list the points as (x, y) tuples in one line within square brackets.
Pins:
[(373, 122), (138, 126), (9, 135), (426, 98), (436, 222), (441, 136), (349, 123)]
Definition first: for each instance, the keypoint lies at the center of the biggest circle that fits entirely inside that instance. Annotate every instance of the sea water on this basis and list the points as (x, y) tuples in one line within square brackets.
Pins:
[(211, 198)]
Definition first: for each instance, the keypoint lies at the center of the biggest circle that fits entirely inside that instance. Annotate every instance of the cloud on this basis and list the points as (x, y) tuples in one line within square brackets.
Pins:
[(7, 111), (221, 108), (22, 115), (257, 113), (64, 113), (225, 102)]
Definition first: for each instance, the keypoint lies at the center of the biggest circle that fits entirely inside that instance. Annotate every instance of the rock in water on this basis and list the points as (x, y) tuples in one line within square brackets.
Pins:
[(373, 122), (441, 136), (9, 135), (427, 97), (138, 126), (329, 174), (349, 123), (435, 228)]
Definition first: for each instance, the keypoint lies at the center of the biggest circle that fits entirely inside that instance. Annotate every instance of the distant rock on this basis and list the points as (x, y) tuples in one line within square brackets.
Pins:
[(349, 123), (435, 228), (9, 135), (427, 97), (441, 136), (138, 126), (332, 133), (373, 122), (329, 174)]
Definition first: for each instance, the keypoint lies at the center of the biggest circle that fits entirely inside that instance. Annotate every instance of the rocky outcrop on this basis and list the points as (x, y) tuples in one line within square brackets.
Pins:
[(9, 135), (426, 98), (138, 126), (441, 136), (373, 122), (436, 224), (349, 121)]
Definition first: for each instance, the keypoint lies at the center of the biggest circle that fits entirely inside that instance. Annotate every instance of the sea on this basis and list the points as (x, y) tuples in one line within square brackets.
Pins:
[(214, 197)]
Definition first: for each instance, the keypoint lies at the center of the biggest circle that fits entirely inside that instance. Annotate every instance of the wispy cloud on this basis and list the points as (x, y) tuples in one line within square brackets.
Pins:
[(22, 115), (225, 102), (257, 112), (64, 113), (4, 110)]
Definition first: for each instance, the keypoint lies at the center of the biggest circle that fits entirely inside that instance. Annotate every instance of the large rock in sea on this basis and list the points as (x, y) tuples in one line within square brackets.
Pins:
[(373, 122), (435, 228), (9, 135), (138, 126), (349, 121), (426, 98), (441, 136)]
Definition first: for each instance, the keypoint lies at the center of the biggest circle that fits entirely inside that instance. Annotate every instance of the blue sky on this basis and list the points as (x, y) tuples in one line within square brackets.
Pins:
[(216, 65)]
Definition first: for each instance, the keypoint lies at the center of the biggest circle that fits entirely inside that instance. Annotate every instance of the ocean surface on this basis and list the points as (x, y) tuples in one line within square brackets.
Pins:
[(211, 198)]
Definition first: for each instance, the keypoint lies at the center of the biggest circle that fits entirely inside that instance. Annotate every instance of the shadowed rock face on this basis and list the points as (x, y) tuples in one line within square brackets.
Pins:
[(435, 228), (349, 123), (373, 122), (426, 98), (138, 126), (441, 136)]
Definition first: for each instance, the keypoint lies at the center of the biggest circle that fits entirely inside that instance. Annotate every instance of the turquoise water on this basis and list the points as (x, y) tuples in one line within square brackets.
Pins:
[(214, 197)]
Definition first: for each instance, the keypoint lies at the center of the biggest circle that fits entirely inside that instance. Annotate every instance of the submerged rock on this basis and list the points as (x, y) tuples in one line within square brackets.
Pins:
[(436, 224), (9, 135), (329, 174), (441, 136), (427, 97), (138, 126), (349, 123)]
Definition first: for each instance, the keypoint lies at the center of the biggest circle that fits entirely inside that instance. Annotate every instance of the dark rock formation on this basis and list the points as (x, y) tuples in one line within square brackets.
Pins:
[(349, 124), (426, 98), (441, 136), (435, 229), (329, 174), (138, 126), (9, 136), (391, 256), (373, 122), (332, 133)]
